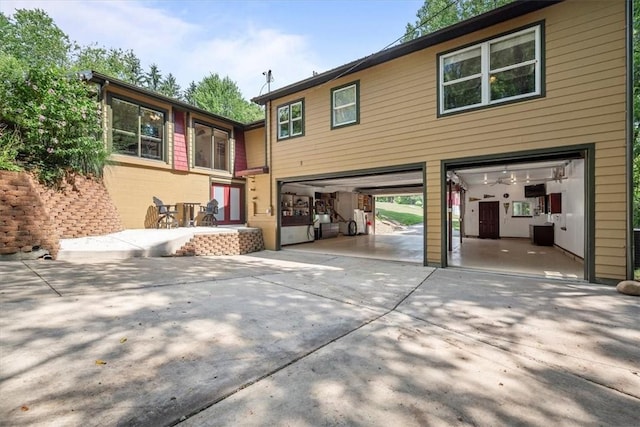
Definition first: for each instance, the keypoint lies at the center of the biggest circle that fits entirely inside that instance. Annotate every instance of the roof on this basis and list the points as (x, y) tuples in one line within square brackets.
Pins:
[(98, 77), (496, 16)]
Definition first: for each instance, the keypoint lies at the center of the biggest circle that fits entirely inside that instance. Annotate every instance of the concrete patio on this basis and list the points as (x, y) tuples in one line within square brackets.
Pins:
[(302, 339)]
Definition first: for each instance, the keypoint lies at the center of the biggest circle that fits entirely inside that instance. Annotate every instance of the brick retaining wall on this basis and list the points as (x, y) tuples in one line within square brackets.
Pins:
[(33, 215), (233, 243)]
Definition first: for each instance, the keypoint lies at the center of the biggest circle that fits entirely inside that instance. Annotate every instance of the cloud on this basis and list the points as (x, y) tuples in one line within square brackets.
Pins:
[(188, 50)]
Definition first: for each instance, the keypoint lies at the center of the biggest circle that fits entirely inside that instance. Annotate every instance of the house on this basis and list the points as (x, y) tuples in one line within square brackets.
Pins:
[(523, 111), (161, 147)]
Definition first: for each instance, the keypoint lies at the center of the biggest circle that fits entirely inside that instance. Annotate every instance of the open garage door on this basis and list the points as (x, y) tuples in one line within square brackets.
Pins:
[(519, 215), (336, 214)]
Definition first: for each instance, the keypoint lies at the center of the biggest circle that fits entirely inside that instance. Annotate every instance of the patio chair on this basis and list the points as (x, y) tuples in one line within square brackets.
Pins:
[(166, 214), (208, 213)]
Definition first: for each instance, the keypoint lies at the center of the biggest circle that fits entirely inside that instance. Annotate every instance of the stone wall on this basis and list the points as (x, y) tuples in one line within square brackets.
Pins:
[(233, 243), (33, 215)]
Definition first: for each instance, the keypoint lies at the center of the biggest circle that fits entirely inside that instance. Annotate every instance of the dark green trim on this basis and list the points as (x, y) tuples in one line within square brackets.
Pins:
[(630, 106), (586, 151), (354, 173), (357, 85), (425, 261), (289, 104), (543, 80), (278, 213)]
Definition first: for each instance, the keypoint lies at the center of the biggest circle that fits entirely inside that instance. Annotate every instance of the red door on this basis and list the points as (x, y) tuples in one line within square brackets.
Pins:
[(230, 203), (489, 227)]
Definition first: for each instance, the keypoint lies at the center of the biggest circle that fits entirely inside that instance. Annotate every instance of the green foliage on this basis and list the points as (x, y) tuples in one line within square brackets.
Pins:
[(153, 78), (437, 14), (170, 87), (56, 117), (636, 114), (123, 65), (408, 200), (222, 97), (33, 37), (9, 145)]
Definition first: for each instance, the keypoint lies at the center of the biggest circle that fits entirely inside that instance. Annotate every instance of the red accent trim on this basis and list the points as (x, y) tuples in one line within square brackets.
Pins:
[(240, 161), (180, 142), (253, 171)]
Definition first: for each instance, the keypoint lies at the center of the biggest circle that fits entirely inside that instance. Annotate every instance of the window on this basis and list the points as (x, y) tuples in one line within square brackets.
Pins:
[(499, 70), (521, 209), (136, 130), (211, 147), (290, 120), (344, 105)]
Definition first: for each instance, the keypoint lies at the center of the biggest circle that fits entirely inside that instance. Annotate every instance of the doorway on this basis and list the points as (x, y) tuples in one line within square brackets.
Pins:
[(489, 220)]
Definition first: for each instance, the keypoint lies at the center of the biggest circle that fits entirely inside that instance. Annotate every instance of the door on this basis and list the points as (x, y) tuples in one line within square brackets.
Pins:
[(230, 203), (489, 216)]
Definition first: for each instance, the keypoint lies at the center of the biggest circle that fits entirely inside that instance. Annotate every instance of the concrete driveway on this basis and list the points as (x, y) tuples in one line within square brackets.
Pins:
[(284, 338)]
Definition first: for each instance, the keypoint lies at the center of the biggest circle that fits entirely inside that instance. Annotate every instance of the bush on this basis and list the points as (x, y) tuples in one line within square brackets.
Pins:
[(57, 118)]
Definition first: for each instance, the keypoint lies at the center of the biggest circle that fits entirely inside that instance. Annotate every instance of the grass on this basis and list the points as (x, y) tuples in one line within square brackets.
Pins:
[(405, 214), (400, 214)]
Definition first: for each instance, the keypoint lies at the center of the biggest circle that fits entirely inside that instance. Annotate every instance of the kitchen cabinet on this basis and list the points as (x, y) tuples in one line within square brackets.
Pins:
[(541, 235)]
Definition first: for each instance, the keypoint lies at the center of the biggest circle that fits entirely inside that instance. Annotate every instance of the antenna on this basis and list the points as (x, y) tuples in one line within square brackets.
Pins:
[(269, 78)]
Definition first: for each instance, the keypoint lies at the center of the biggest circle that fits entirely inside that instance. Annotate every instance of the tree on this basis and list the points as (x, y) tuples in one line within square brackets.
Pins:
[(170, 87), (33, 37), (153, 77), (122, 65), (636, 114), (189, 93), (437, 14), (222, 97)]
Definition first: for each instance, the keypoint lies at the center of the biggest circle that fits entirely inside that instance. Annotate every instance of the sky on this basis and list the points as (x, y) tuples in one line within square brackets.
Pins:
[(239, 39)]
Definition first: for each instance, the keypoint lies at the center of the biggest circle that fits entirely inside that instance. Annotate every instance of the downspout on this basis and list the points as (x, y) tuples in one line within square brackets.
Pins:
[(629, 101)]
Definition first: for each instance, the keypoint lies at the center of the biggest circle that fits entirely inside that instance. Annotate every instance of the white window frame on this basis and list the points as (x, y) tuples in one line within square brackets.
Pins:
[(353, 104), (289, 120), (486, 72)]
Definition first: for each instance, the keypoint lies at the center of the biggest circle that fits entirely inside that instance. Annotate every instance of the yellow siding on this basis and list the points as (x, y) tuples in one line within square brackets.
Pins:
[(132, 187), (584, 104), (254, 142)]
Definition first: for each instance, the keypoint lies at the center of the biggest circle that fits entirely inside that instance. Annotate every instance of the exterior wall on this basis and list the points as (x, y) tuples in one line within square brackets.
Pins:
[(132, 182), (254, 143), (584, 104), (132, 187)]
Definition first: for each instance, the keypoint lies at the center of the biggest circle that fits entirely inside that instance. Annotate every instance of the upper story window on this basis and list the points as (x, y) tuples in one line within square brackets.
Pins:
[(137, 130), (499, 70), (345, 108), (291, 120), (211, 147)]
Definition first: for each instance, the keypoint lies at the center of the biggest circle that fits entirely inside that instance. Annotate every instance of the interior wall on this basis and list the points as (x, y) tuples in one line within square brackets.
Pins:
[(569, 225), (509, 226)]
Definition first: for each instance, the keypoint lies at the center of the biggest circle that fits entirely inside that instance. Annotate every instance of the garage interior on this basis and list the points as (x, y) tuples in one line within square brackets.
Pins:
[(520, 230)]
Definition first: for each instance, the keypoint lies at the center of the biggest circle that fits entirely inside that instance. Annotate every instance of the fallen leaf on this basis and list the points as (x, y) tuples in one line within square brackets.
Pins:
[(100, 362), (122, 340), (24, 408)]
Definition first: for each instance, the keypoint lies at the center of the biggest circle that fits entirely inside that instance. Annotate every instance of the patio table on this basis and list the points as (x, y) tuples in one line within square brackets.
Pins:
[(188, 213)]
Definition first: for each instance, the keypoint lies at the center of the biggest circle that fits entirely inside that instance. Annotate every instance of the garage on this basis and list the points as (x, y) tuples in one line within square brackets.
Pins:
[(335, 214), (521, 215)]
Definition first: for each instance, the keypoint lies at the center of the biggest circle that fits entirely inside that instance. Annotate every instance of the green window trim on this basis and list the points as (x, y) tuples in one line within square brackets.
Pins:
[(345, 105), (290, 120), (507, 68)]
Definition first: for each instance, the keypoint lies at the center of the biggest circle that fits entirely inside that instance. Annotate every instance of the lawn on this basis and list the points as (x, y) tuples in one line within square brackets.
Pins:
[(400, 214)]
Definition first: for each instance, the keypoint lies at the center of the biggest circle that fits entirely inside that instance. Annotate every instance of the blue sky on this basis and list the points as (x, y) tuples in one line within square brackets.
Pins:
[(239, 39)]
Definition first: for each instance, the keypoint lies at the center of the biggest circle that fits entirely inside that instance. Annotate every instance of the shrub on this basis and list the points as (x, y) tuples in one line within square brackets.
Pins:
[(57, 118)]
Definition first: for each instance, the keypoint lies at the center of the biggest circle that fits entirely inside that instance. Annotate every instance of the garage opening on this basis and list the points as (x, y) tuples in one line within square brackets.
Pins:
[(519, 215), (337, 214)]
